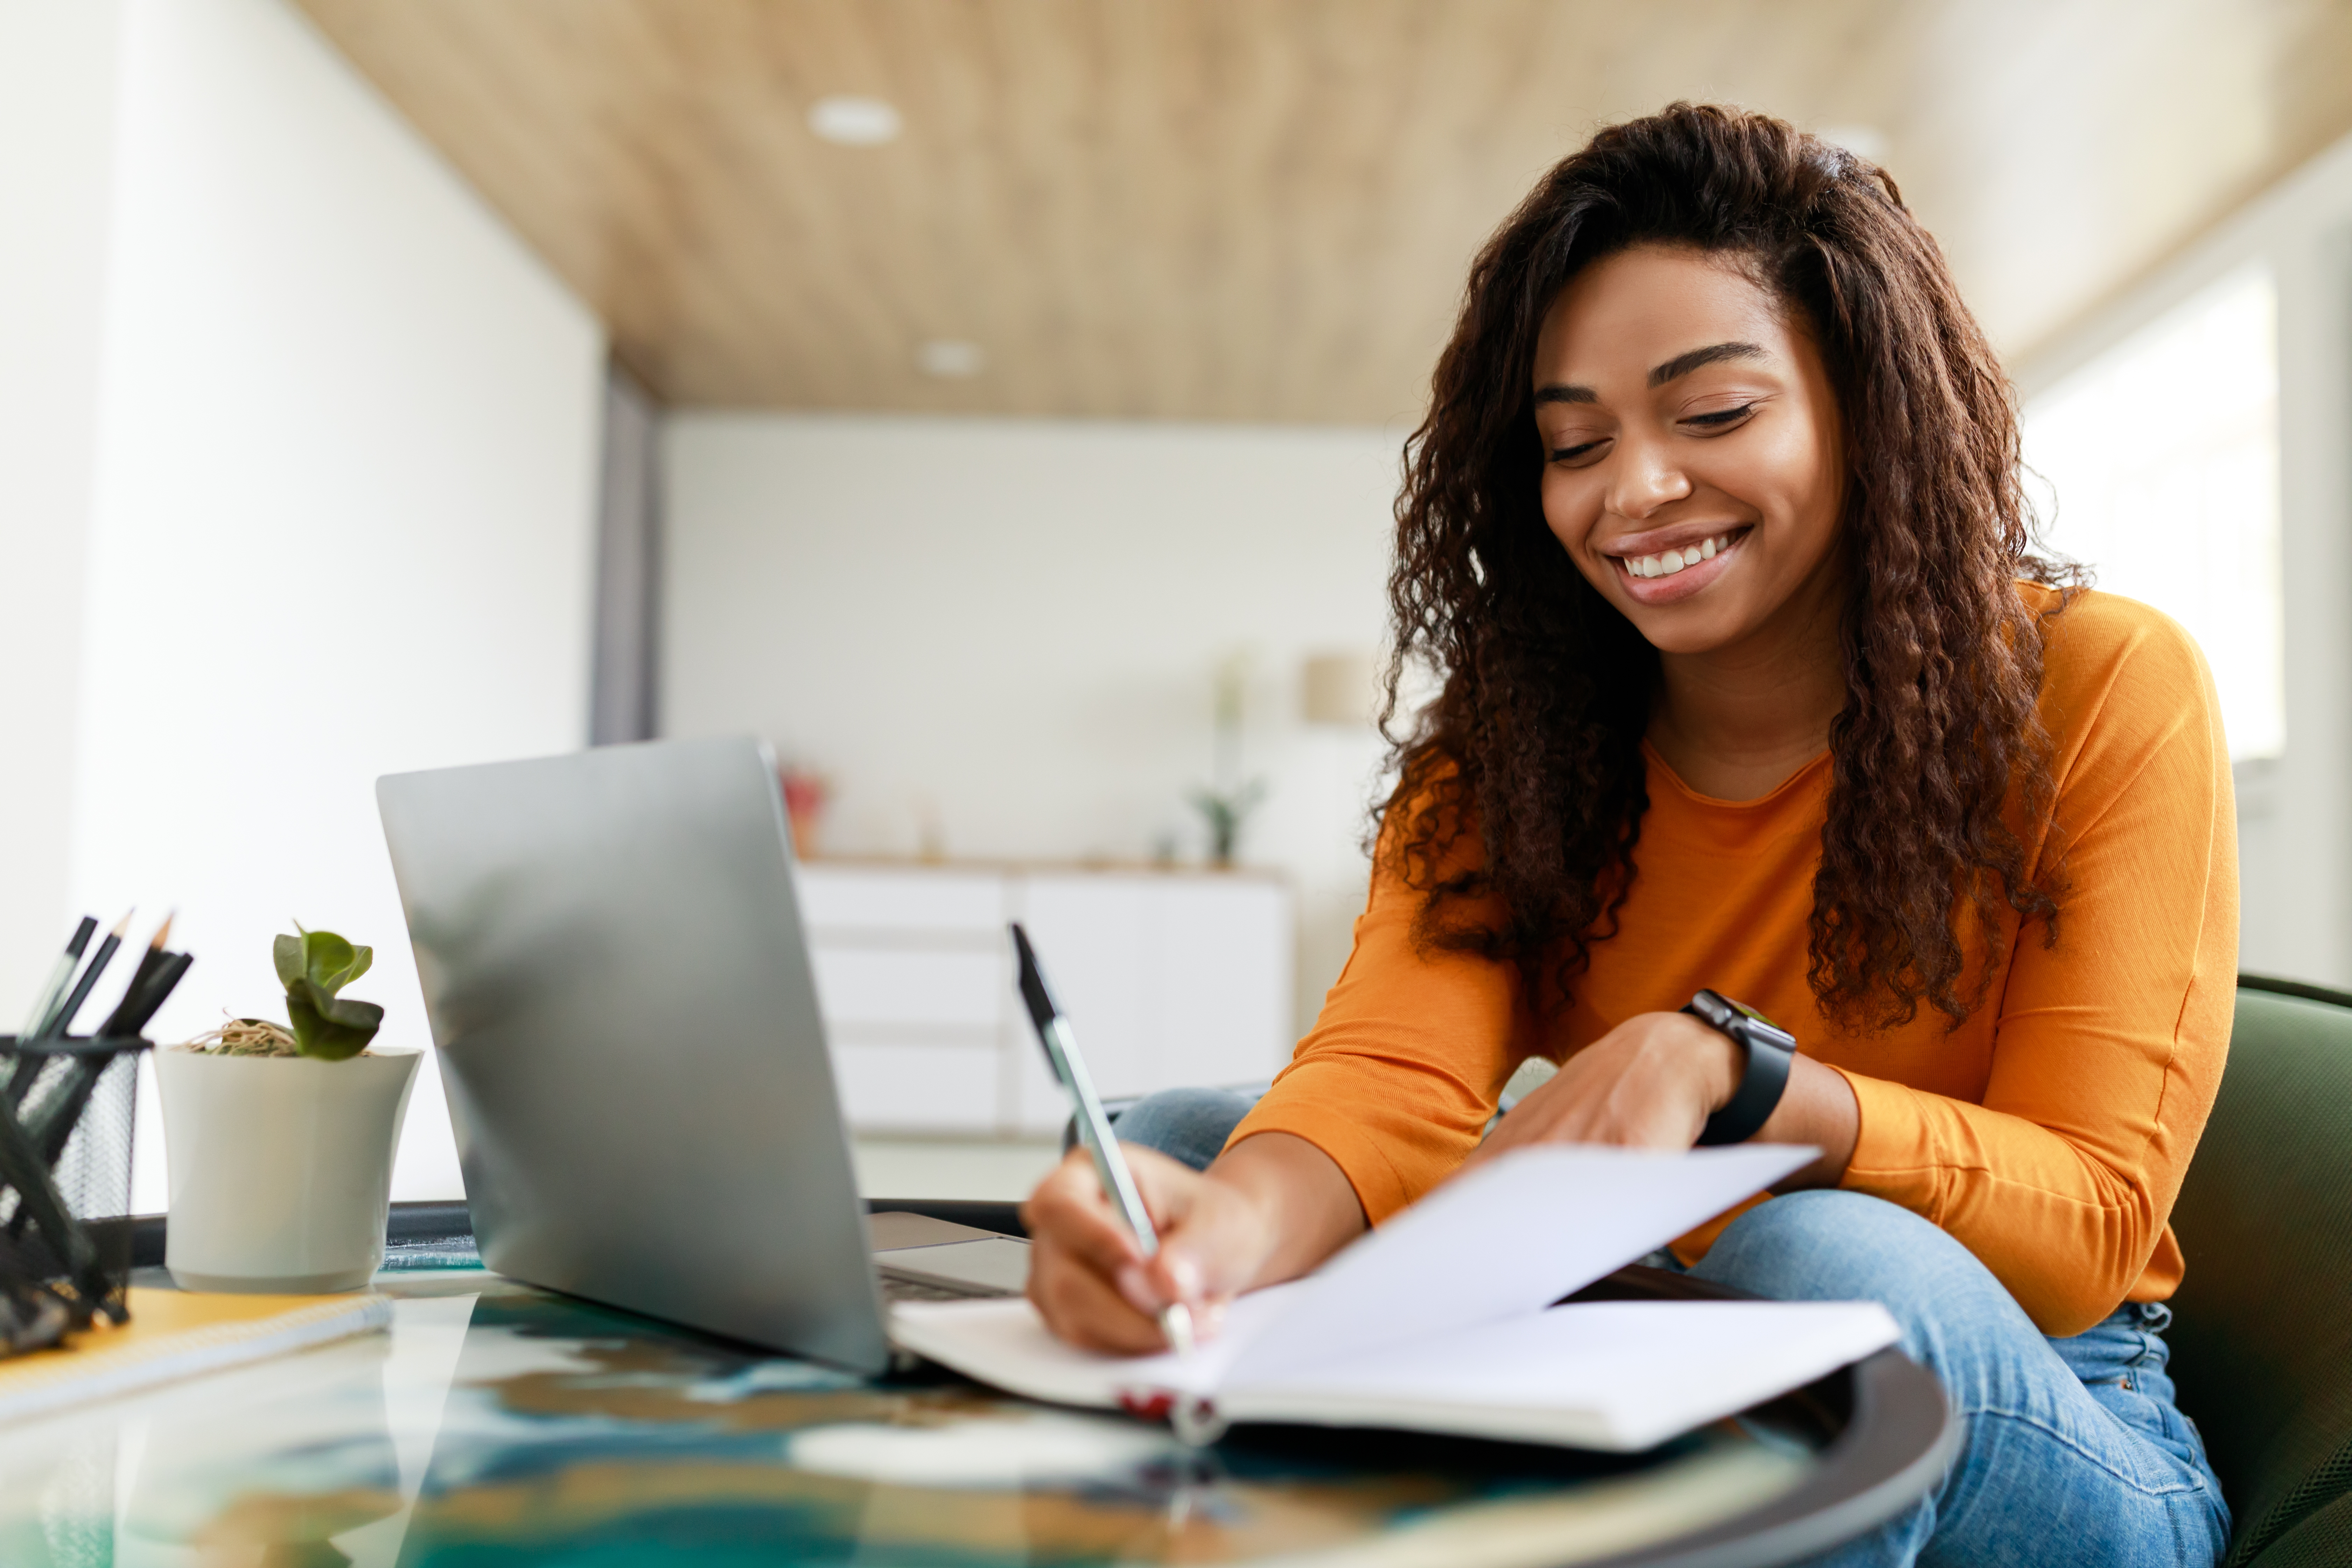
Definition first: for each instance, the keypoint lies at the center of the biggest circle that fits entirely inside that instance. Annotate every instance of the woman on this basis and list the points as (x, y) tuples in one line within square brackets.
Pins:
[(1752, 683)]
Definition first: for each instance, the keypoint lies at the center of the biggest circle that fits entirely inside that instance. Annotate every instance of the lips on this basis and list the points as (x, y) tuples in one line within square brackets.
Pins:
[(1666, 563), (1663, 576)]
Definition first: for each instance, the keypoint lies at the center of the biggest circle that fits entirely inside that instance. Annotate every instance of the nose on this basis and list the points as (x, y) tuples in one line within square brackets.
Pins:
[(1647, 478)]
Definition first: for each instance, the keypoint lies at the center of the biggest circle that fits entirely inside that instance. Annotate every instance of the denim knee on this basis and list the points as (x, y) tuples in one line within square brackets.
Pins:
[(1838, 1246), (1186, 1124)]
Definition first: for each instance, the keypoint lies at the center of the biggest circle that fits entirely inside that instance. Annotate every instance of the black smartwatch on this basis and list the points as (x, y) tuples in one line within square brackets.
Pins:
[(1769, 1046)]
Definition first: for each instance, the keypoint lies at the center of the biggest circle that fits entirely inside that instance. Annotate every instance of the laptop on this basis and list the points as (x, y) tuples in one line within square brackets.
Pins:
[(628, 1031)]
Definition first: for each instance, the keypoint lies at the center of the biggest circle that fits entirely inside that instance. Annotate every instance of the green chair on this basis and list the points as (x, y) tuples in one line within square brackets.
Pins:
[(2262, 1333)]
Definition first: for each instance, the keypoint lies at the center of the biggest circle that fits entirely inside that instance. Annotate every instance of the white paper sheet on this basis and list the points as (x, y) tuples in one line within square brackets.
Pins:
[(1611, 1375), (1005, 1342), (1506, 1240)]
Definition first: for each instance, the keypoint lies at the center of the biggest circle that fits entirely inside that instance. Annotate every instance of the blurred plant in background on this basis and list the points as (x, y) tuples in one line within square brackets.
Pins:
[(1226, 802)]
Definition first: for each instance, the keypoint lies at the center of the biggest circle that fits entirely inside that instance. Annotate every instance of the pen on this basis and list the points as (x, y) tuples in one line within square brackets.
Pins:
[(1094, 1127)]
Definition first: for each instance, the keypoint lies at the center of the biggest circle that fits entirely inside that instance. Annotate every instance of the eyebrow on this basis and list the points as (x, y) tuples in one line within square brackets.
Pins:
[(1714, 353), (1681, 365)]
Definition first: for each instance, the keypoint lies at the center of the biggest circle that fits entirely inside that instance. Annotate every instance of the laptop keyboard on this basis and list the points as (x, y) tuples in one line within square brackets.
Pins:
[(897, 1287)]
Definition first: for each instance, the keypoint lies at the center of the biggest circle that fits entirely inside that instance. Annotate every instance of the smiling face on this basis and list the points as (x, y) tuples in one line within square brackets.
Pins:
[(1692, 460)]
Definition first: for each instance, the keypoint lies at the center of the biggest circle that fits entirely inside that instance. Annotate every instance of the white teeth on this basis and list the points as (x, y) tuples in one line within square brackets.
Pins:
[(1667, 562)]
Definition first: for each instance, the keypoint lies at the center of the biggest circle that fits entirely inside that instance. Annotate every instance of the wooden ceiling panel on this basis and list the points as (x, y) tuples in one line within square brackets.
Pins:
[(1263, 209)]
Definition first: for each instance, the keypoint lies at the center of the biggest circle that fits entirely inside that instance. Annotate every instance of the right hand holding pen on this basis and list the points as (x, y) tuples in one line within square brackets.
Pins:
[(1087, 1273)]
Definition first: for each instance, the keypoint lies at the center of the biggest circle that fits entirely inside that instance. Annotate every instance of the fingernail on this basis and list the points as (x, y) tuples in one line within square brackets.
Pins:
[(1133, 1285), (1185, 1276), (1209, 1318)]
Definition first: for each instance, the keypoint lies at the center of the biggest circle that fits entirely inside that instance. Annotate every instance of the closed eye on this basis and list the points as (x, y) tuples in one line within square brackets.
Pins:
[(1727, 417), (1584, 449)]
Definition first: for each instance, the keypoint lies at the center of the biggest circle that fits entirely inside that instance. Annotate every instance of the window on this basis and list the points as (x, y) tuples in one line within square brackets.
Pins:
[(2162, 457)]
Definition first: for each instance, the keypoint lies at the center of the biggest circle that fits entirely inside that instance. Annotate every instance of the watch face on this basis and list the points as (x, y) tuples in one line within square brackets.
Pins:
[(1717, 1010), (1737, 1019)]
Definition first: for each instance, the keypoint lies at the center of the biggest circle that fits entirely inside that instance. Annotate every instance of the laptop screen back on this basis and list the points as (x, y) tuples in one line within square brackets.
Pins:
[(628, 1034)]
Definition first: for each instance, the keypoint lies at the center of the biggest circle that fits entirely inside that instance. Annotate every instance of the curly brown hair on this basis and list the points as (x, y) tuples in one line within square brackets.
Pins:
[(1535, 740)]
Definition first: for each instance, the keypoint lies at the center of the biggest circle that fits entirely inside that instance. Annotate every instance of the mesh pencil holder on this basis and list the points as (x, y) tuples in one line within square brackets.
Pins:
[(68, 1107)]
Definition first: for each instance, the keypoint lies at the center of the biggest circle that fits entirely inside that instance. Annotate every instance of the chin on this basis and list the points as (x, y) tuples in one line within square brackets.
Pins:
[(1689, 627)]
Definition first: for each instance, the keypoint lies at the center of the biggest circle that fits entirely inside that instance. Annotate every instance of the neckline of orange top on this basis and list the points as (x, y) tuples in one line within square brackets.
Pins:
[(1796, 781)]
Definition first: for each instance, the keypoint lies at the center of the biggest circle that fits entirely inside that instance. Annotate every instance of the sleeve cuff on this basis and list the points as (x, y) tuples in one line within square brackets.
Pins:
[(1894, 1149)]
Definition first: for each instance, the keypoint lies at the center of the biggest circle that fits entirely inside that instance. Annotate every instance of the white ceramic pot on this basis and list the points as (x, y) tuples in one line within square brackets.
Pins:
[(281, 1167)]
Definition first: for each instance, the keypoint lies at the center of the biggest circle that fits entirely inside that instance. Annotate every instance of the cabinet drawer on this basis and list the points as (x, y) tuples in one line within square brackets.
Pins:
[(1224, 1014), (868, 987), (863, 899), (917, 1088)]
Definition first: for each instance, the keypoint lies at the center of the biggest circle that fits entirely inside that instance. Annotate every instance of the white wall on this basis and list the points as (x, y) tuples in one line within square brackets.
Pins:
[(2294, 824), (1005, 629), (340, 520), (2189, 526), (59, 66)]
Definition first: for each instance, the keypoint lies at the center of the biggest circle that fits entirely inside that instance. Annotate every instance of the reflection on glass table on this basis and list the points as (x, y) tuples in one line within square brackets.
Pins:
[(495, 1424)]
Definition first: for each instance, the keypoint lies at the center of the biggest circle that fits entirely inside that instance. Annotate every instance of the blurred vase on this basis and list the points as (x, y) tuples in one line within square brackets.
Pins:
[(804, 797), (281, 1167)]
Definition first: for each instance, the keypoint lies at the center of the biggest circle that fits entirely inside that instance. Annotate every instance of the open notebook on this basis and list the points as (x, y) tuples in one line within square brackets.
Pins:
[(1442, 1320)]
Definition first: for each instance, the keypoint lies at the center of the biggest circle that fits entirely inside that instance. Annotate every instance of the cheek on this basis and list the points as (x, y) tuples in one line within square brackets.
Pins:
[(1792, 481), (1571, 505)]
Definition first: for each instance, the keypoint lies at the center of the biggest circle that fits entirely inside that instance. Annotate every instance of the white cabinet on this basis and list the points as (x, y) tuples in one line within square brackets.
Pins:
[(1169, 978)]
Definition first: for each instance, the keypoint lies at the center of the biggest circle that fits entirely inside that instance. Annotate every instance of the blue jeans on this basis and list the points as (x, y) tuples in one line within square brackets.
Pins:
[(2071, 1451)]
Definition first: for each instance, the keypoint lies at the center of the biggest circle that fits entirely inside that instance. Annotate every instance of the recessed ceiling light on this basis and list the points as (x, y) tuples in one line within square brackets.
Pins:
[(951, 358), (1867, 143), (853, 122)]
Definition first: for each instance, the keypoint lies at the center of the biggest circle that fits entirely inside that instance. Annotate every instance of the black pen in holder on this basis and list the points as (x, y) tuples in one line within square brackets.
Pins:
[(65, 1124)]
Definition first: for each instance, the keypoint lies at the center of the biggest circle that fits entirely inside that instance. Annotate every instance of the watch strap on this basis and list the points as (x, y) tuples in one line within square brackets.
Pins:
[(1770, 1050)]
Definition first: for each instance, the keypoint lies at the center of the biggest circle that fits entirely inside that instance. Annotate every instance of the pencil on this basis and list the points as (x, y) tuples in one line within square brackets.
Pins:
[(141, 1004), (60, 973), (27, 1066), (55, 1125), (150, 963), (71, 1086), (62, 1019)]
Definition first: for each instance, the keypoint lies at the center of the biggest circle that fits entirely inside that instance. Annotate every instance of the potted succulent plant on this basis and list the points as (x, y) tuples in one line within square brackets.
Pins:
[(280, 1138)]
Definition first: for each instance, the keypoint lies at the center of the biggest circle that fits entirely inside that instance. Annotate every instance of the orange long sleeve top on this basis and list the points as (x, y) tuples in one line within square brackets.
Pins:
[(2048, 1133)]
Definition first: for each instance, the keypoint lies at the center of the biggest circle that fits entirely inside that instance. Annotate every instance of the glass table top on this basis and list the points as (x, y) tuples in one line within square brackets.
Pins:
[(497, 1425)]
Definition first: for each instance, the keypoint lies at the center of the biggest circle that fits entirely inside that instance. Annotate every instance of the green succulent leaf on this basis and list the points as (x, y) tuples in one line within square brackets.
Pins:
[(315, 966), (330, 1027), (325, 957)]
